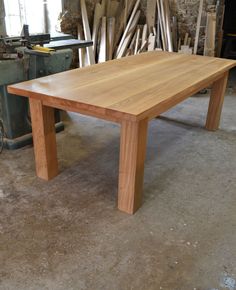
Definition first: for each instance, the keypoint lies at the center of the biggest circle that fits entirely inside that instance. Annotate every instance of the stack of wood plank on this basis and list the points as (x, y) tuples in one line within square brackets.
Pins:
[(116, 31)]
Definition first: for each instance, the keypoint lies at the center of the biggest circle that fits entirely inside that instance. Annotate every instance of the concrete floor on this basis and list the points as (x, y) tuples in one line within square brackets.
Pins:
[(68, 234)]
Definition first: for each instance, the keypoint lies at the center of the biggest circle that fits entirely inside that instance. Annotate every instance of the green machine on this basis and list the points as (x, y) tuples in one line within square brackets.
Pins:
[(19, 62)]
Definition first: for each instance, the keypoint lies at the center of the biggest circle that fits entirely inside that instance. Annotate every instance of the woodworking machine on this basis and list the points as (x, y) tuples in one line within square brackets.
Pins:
[(24, 58)]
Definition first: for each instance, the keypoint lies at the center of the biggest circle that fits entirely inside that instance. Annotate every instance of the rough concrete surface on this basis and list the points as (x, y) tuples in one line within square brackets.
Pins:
[(68, 233)]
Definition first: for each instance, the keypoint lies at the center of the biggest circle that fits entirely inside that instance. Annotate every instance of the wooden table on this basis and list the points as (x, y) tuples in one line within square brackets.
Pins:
[(130, 91)]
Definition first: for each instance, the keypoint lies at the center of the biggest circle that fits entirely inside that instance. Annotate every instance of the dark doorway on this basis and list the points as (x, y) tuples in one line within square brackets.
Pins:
[(229, 28)]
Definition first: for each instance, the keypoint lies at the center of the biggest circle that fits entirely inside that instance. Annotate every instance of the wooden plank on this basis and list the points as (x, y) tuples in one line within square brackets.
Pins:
[(137, 41), (120, 19), (111, 36), (144, 34), (151, 14), (154, 31), (220, 17), (198, 27), (131, 171), (162, 27), (102, 57), (151, 42), (163, 18), (158, 34), (143, 47), (132, 43), (168, 25), (179, 44), (112, 7), (44, 137), (131, 19), (125, 13), (87, 33), (186, 39), (98, 14), (129, 35), (175, 33), (216, 103), (81, 51), (210, 35), (189, 41)]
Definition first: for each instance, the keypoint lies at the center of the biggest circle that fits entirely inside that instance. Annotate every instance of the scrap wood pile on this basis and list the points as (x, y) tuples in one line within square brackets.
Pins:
[(116, 31)]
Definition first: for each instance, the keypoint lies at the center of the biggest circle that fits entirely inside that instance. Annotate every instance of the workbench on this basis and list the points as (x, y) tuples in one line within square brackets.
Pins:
[(130, 91)]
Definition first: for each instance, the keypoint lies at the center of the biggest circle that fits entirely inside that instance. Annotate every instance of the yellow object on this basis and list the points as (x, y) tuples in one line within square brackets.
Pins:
[(42, 49)]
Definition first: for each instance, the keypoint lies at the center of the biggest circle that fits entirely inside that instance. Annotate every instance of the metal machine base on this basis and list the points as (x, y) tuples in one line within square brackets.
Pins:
[(12, 144)]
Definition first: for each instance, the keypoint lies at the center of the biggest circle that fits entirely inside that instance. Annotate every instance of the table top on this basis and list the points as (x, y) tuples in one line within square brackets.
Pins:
[(133, 88)]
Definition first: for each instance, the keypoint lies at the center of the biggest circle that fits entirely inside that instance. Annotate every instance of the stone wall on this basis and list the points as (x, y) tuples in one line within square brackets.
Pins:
[(187, 14)]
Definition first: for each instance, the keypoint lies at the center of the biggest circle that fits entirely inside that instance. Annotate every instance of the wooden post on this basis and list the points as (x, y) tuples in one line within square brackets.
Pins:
[(216, 103), (132, 157), (44, 136)]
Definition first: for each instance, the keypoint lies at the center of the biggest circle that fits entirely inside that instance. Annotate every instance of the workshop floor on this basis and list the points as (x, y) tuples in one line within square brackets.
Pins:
[(68, 234)]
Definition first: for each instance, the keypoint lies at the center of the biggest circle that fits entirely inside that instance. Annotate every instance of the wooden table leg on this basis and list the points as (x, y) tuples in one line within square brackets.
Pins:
[(216, 103), (44, 136), (132, 158)]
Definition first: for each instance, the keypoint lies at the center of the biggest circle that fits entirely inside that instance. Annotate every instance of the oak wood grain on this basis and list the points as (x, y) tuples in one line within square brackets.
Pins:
[(130, 88), (44, 138), (132, 158), (216, 103)]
